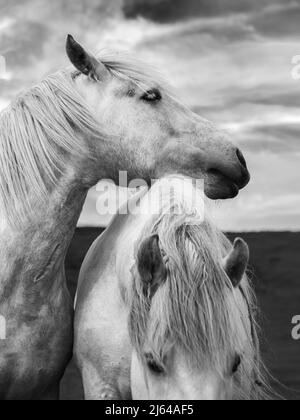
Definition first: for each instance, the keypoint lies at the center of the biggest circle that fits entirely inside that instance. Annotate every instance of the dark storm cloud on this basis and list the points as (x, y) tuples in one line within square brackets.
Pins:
[(279, 22), (8, 6), (199, 35), (171, 10), (81, 12)]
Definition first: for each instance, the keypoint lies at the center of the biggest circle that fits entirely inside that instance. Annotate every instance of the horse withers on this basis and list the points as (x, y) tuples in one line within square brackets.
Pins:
[(164, 308)]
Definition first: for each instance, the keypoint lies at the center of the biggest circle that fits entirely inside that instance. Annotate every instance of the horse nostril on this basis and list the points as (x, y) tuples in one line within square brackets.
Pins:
[(241, 158), (245, 176)]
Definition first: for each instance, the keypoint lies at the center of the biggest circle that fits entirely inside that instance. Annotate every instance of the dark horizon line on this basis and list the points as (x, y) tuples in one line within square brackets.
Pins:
[(296, 231)]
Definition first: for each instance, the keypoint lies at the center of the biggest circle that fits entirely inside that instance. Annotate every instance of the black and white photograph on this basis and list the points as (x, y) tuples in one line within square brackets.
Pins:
[(149, 202)]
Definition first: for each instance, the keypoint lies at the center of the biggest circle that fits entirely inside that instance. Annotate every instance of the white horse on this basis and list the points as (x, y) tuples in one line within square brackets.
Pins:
[(164, 309), (56, 141)]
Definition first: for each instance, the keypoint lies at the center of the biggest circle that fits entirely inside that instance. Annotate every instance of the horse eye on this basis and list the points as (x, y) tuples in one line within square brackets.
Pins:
[(131, 93), (237, 364), (153, 366), (152, 95)]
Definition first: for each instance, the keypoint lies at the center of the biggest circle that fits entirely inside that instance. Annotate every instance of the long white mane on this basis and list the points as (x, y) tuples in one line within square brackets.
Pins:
[(37, 135)]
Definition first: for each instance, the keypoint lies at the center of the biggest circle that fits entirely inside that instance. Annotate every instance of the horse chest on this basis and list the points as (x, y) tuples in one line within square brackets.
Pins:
[(37, 343), (35, 352)]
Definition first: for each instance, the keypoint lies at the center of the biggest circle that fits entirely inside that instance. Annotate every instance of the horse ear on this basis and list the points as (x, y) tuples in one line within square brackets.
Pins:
[(235, 264), (151, 266), (83, 61)]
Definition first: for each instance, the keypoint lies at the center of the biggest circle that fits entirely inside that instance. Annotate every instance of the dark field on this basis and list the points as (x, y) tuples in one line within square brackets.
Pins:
[(275, 263)]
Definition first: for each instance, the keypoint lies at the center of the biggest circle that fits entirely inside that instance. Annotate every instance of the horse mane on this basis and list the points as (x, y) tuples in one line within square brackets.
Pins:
[(39, 131), (197, 308)]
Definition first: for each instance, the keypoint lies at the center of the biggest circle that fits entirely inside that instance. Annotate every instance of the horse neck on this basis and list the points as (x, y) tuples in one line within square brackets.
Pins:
[(124, 231), (40, 246)]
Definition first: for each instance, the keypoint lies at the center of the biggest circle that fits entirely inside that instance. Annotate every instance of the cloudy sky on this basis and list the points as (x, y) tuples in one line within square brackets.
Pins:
[(231, 61)]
